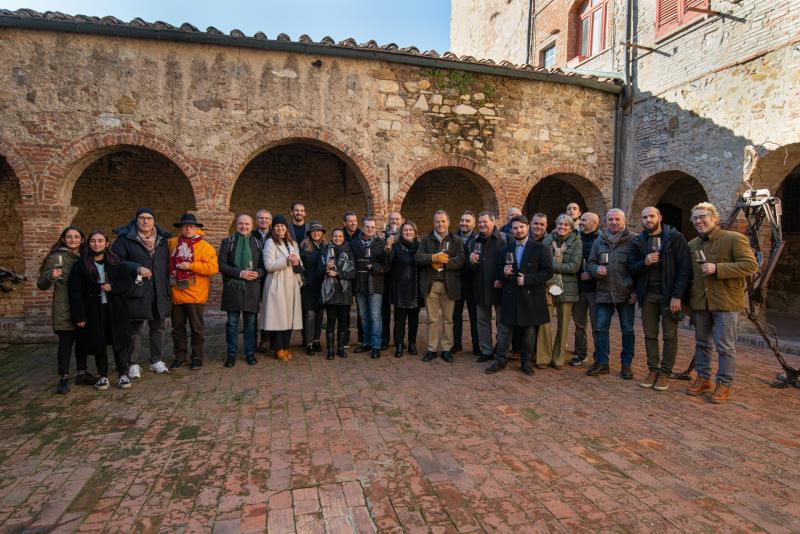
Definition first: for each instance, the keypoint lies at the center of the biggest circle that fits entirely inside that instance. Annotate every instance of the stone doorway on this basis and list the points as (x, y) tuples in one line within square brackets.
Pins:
[(452, 189), (309, 173), (674, 193), (552, 193), (113, 186)]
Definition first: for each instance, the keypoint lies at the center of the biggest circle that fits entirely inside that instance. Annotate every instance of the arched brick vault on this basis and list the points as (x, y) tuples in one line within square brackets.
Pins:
[(64, 170), (245, 152), (596, 191), (655, 181), (18, 164), (412, 175), (773, 168)]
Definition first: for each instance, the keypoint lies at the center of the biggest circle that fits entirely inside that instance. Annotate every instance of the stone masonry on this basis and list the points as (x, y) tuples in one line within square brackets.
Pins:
[(95, 125)]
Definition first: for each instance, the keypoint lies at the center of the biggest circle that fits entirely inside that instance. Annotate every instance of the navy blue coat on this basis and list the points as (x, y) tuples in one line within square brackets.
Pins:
[(525, 305)]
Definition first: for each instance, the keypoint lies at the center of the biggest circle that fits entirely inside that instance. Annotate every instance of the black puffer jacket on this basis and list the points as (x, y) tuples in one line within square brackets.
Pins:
[(154, 300), (404, 286), (345, 274)]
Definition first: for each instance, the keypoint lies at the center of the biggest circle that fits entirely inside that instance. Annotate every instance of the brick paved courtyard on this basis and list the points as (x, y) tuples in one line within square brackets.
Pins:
[(394, 445)]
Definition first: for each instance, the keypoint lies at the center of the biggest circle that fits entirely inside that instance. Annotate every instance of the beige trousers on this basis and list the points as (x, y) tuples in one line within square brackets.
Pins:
[(439, 308)]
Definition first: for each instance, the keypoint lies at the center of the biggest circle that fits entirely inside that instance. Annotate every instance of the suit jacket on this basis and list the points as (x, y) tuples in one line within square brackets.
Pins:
[(525, 305)]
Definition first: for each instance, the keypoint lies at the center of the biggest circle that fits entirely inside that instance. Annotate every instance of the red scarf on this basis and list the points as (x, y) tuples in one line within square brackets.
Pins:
[(183, 253)]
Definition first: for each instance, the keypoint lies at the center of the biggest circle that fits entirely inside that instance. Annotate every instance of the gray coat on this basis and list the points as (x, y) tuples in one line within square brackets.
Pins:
[(617, 286)]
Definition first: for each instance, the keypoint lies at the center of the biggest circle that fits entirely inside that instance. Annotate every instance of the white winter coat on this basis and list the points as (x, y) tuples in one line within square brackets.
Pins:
[(280, 301)]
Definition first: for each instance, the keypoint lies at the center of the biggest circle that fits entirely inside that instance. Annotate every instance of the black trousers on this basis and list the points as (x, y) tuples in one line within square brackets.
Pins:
[(386, 318), (66, 340), (458, 320), (400, 316), (279, 339), (338, 316), (193, 314), (312, 326)]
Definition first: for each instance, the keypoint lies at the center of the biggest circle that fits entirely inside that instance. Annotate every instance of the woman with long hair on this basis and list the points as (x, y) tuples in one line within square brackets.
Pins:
[(314, 271), (337, 291), (54, 272), (404, 290), (98, 285), (281, 310)]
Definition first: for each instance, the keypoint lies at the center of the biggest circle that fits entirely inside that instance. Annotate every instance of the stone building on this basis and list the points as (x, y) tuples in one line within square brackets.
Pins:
[(703, 79), (99, 117)]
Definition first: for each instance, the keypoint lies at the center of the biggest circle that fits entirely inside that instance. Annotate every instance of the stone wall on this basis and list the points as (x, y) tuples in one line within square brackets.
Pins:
[(492, 29), (83, 113)]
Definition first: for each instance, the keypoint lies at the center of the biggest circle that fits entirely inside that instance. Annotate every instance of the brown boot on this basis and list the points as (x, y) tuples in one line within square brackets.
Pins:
[(700, 386), (662, 383), (281, 355), (649, 381), (721, 394)]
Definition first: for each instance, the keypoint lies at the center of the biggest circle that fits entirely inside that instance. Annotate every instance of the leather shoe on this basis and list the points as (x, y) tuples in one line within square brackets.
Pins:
[(176, 364), (230, 361), (251, 360), (496, 366), (195, 365), (527, 368), (362, 348), (429, 356), (398, 350), (485, 358), (412, 349), (447, 356), (598, 369), (376, 353), (626, 373)]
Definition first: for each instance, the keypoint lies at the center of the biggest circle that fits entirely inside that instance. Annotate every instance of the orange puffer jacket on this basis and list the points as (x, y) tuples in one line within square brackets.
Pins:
[(204, 267)]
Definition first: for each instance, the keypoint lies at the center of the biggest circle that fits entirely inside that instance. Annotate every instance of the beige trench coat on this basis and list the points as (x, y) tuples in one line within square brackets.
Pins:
[(280, 301)]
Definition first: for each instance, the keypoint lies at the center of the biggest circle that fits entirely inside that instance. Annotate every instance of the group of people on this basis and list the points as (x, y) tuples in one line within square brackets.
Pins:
[(283, 275)]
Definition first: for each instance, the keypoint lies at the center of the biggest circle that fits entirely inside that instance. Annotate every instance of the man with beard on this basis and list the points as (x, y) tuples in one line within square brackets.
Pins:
[(370, 257), (466, 231), (390, 236), (486, 289), (586, 291), (299, 226), (525, 268)]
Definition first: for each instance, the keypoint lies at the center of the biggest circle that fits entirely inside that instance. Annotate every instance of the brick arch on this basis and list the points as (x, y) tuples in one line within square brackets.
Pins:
[(410, 177), (649, 188), (66, 168), (660, 181), (27, 183), (775, 166), (263, 141), (596, 191)]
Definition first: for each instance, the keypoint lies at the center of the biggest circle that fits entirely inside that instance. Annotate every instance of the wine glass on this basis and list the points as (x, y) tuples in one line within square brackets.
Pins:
[(655, 244), (446, 247), (700, 258), (604, 258), (59, 263), (477, 248)]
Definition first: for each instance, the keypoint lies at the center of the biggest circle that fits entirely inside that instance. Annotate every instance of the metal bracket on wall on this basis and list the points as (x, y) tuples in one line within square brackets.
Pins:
[(647, 48)]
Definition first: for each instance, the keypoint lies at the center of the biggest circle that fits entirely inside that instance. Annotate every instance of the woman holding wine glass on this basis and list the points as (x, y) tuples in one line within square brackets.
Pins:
[(314, 272), (337, 291), (54, 272), (98, 284)]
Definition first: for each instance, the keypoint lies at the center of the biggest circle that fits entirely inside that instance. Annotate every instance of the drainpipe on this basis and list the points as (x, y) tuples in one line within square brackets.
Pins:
[(623, 101), (530, 33)]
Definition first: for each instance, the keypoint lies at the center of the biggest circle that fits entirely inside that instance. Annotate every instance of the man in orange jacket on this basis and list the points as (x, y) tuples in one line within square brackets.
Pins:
[(192, 261)]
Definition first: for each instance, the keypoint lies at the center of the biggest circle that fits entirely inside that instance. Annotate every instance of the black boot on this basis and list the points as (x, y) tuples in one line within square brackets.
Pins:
[(398, 351), (412, 348), (329, 340), (342, 351), (317, 346), (310, 349)]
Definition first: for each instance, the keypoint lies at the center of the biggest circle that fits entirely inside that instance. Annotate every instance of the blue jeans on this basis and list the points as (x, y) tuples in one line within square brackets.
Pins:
[(369, 311), (249, 333), (719, 328), (626, 317)]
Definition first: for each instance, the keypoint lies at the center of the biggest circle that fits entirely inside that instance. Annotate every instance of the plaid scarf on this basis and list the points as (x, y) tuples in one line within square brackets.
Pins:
[(183, 253)]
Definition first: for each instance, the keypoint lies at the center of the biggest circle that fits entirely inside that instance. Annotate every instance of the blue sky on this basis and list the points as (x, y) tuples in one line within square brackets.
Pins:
[(422, 23)]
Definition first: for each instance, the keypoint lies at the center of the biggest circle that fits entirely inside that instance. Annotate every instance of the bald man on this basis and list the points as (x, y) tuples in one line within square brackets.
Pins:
[(587, 286)]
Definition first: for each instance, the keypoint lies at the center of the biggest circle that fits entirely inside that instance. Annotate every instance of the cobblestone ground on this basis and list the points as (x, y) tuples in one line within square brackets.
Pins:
[(394, 445)]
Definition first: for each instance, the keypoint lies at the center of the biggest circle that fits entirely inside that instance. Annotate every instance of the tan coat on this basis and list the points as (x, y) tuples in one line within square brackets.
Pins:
[(725, 289), (280, 302)]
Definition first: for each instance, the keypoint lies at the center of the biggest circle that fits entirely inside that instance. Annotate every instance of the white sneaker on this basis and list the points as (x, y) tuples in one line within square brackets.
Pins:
[(134, 371), (101, 384), (124, 382), (159, 367)]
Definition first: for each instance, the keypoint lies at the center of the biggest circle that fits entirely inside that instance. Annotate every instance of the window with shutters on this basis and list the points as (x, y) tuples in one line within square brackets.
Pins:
[(672, 14), (591, 28)]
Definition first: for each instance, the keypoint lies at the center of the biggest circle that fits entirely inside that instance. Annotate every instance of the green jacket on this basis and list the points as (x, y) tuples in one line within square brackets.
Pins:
[(61, 318), (725, 289), (566, 266)]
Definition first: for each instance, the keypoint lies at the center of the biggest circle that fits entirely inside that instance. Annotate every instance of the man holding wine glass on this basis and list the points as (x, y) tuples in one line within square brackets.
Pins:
[(662, 267), (608, 263), (468, 234), (486, 290), (441, 256), (722, 262), (390, 235), (525, 267)]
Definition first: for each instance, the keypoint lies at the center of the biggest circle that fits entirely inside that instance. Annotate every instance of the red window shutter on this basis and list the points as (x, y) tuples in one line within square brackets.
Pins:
[(687, 14), (668, 14)]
